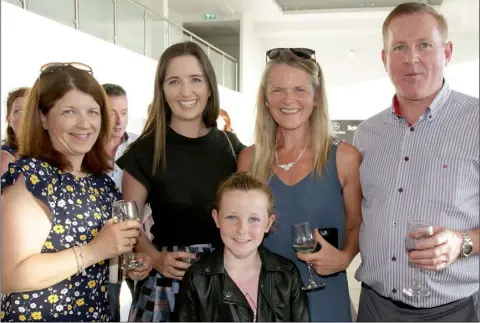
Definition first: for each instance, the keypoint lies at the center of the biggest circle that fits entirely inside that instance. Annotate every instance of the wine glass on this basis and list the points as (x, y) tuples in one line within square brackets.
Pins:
[(303, 242), (417, 231), (189, 250), (124, 211)]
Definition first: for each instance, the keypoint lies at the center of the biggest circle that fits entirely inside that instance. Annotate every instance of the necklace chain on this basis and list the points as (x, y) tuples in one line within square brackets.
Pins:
[(289, 165)]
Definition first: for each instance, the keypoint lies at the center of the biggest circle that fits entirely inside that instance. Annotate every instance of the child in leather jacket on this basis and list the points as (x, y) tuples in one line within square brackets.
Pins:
[(242, 281)]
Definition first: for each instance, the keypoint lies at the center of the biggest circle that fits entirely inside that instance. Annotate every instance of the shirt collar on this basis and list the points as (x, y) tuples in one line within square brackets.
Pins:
[(436, 105)]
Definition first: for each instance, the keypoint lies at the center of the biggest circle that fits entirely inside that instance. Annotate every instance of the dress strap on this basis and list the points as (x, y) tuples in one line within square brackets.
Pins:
[(337, 141)]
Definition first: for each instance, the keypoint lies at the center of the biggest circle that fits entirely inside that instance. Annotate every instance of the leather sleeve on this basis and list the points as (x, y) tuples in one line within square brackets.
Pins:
[(186, 300), (298, 299)]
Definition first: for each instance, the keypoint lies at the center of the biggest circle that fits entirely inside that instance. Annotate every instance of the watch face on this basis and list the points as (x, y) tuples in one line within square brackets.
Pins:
[(467, 250)]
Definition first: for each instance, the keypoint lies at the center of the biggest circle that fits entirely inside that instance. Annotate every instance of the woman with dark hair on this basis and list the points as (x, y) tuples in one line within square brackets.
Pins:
[(15, 100), (176, 165), (57, 231)]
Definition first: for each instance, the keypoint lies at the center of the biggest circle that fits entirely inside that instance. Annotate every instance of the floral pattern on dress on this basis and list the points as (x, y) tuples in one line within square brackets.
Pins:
[(79, 208)]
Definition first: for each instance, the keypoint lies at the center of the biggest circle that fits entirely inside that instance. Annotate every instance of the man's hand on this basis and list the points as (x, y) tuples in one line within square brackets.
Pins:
[(438, 251), (329, 260)]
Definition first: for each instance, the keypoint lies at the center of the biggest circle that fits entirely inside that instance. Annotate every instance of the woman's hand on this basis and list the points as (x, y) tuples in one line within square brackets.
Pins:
[(172, 264), (115, 239), (141, 273)]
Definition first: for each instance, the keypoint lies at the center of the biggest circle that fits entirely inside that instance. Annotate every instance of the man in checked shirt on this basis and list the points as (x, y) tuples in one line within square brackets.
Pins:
[(420, 162)]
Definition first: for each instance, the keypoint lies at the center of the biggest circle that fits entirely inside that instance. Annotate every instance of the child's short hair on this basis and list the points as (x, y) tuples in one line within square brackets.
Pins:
[(241, 181)]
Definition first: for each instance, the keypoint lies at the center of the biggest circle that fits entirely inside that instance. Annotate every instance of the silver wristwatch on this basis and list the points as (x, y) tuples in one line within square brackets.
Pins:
[(467, 245)]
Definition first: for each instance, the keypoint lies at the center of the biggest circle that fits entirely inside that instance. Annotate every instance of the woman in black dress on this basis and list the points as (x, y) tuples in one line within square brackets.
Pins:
[(176, 165)]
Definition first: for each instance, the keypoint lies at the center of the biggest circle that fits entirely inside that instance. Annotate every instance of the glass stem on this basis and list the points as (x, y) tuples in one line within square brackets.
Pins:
[(310, 276), (415, 277)]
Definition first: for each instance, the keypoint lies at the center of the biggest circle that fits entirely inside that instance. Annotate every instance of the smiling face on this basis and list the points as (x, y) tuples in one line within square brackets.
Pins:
[(290, 96), (415, 55), (15, 114), (186, 88), (73, 124), (243, 220)]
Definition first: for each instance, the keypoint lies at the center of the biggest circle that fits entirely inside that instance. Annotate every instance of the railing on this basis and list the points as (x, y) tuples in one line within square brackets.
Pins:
[(131, 25)]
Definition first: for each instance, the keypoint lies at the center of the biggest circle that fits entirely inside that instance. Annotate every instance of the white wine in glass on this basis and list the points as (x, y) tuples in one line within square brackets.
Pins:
[(303, 242)]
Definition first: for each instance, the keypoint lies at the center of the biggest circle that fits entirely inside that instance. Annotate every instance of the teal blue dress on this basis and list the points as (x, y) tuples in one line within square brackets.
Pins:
[(319, 202)]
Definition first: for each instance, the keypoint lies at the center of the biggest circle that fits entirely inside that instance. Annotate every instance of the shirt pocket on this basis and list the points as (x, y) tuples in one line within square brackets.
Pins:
[(441, 181)]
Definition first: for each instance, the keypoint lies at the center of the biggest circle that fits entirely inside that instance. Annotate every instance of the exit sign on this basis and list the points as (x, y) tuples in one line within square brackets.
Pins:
[(210, 16)]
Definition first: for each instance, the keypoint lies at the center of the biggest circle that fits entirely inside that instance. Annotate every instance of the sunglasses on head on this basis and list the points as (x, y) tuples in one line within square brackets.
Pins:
[(56, 66), (304, 53)]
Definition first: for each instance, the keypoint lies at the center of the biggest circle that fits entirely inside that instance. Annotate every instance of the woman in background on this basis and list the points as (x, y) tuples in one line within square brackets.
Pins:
[(57, 232), (224, 122), (15, 100), (176, 165)]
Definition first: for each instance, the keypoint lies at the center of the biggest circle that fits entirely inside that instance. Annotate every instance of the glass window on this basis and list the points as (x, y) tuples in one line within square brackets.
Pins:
[(157, 36), (60, 11), (217, 61), (96, 18), (130, 26), (18, 3), (230, 74)]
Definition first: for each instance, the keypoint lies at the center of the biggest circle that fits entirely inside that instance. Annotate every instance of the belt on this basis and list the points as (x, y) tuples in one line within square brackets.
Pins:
[(406, 306)]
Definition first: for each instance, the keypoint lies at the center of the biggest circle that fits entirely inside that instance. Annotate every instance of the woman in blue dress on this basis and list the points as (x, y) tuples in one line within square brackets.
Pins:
[(15, 100), (313, 176), (57, 232)]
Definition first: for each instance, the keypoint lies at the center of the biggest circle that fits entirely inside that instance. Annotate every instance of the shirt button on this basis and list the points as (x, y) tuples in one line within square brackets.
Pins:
[(394, 224), (228, 294), (207, 270), (412, 129), (406, 159), (394, 259), (400, 190), (394, 290)]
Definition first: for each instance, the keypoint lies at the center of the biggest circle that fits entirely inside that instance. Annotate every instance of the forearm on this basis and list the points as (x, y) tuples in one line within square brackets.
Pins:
[(144, 245), (44, 270), (351, 241)]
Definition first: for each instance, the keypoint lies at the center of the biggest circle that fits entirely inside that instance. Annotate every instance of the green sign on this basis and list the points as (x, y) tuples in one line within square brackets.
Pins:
[(210, 16)]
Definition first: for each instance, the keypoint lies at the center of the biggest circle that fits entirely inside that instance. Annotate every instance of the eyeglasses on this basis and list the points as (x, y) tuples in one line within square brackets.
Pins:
[(304, 53), (56, 66)]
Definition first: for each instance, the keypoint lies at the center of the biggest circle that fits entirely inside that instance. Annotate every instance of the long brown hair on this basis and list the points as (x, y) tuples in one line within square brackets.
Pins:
[(266, 127), (11, 139), (160, 114), (33, 139)]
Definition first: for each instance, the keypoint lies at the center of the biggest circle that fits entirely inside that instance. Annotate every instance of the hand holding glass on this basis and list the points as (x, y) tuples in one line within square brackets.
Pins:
[(417, 231), (125, 211), (303, 242)]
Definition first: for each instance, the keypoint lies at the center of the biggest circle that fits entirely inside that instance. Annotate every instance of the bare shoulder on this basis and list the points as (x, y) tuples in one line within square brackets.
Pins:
[(348, 162), (245, 158), (348, 154)]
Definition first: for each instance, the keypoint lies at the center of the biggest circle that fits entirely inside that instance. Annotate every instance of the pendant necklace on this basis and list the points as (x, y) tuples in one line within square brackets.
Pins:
[(289, 165)]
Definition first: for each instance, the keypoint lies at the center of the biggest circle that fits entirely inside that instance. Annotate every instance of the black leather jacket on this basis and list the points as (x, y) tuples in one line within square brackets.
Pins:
[(207, 293)]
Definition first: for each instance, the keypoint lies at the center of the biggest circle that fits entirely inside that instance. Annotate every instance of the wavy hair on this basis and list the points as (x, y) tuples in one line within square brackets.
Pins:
[(263, 161)]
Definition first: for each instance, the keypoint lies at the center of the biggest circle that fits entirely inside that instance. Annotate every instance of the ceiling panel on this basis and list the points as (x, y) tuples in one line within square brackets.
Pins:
[(297, 6)]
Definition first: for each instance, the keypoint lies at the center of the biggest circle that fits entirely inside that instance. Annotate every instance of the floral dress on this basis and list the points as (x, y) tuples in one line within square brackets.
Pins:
[(79, 207)]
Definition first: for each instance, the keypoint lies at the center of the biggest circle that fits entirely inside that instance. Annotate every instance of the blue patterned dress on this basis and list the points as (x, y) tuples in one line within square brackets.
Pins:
[(79, 208)]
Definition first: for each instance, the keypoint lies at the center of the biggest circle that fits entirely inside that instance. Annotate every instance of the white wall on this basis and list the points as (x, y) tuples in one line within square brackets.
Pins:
[(29, 41)]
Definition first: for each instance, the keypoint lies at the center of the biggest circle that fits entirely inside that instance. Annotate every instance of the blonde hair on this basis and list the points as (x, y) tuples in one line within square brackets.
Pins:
[(263, 162), (243, 182), (410, 8)]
